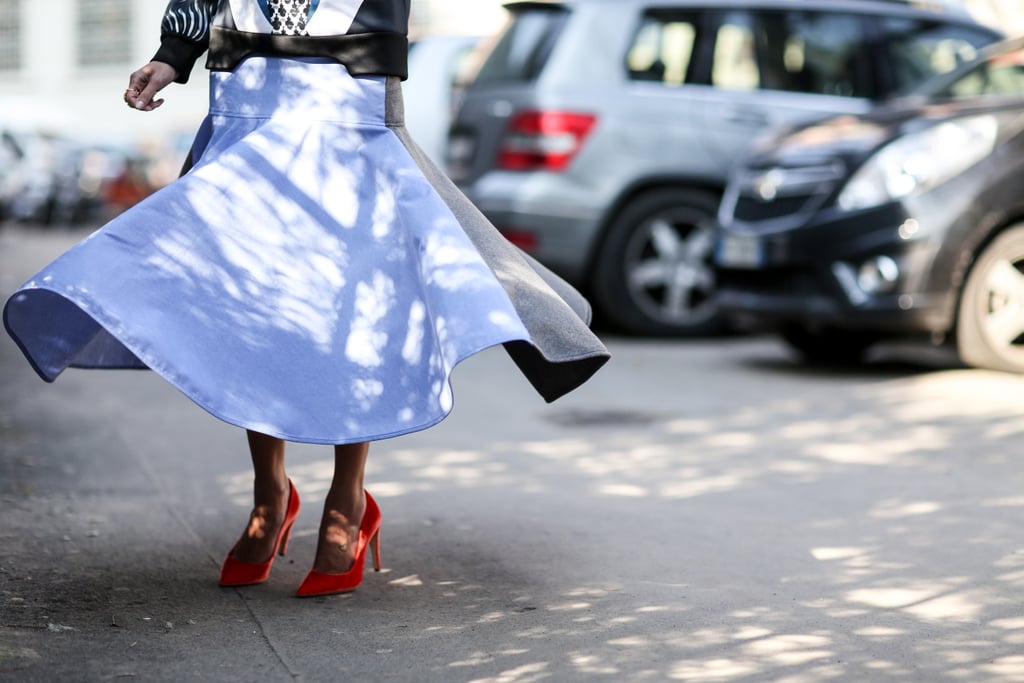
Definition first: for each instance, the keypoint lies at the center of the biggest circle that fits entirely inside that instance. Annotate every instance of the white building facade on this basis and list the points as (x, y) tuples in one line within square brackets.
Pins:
[(66, 62)]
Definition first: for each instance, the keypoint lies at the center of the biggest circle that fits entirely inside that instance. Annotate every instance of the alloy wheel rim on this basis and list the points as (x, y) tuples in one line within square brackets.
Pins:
[(1002, 307), (668, 269)]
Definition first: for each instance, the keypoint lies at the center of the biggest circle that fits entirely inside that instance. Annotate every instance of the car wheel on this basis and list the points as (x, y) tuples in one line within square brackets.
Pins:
[(828, 346), (990, 321), (653, 274)]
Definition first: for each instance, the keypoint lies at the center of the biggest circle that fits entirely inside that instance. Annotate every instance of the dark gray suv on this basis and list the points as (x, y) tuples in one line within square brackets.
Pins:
[(599, 134)]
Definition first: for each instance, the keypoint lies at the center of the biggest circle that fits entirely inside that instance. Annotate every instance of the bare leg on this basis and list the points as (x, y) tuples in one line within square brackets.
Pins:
[(270, 498), (343, 511)]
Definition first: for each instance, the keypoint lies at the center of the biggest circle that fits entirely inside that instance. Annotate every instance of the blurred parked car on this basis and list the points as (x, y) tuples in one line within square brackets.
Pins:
[(83, 180), (10, 156), (908, 220), (440, 67), (30, 180), (598, 134), (48, 179)]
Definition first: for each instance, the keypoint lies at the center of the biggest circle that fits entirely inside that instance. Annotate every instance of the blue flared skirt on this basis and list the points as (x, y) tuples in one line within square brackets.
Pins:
[(312, 276)]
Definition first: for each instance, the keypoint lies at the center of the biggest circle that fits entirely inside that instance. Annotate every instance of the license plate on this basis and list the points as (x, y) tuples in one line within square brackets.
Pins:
[(740, 251)]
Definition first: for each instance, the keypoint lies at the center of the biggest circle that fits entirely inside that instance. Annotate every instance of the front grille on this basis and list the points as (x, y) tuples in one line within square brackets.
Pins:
[(770, 193), (775, 281), (751, 209)]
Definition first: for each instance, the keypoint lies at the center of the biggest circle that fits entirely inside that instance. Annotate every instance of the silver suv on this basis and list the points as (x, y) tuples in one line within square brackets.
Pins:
[(598, 134)]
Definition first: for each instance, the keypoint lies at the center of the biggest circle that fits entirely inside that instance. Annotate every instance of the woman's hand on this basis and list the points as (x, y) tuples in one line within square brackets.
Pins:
[(145, 83)]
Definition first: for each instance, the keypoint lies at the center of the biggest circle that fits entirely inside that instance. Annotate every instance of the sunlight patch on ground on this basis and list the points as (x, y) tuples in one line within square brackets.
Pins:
[(631, 641), (795, 467), (889, 598), (947, 608), (624, 491), (622, 620), (873, 453), (941, 394), (732, 439), (474, 659), (719, 669), (526, 673), (690, 427), (1006, 668), (1004, 430), (934, 604), (653, 608), (559, 449), (569, 607), (891, 509), (806, 430), (1012, 501), (592, 664), (391, 489), (880, 632), (411, 581), (701, 487), (790, 649), (826, 554), (751, 632), (1010, 623)]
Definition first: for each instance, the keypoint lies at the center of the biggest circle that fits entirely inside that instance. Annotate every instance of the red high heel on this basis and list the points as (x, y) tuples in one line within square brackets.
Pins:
[(237, 573), (320, 583)]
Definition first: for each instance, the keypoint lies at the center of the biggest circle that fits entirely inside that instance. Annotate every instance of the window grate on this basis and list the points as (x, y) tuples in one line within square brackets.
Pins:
[(104, 32), (10, 35)]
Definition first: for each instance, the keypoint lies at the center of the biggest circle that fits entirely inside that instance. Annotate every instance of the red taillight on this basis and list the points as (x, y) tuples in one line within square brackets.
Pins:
[(543, 140), (524, 239)]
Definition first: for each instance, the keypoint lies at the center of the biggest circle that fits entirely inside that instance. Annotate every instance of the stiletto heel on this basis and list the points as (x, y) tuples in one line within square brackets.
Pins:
[(322, 583), (237, 573), (375, 547), (284, 539)]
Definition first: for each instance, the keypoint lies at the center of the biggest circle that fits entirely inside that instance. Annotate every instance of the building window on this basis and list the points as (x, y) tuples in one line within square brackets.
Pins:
[(10, 35), (104, 32)]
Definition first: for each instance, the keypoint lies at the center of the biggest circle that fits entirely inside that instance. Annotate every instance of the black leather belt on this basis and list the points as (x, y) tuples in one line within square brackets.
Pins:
[(362, 54)]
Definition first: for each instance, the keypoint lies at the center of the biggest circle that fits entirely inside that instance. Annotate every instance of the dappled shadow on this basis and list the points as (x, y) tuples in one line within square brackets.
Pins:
[(698, 513), (847, 528)]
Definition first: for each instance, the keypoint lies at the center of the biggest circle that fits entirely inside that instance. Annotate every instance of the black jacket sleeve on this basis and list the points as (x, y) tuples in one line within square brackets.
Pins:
[(185, 34)]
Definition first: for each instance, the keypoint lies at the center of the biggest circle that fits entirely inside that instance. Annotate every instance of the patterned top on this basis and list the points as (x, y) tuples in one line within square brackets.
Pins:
[(288, 17), (367, 36)]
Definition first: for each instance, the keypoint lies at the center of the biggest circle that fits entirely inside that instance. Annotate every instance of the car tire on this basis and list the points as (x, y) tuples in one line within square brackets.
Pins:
[(828, 346), (990, 319), (653, 274)]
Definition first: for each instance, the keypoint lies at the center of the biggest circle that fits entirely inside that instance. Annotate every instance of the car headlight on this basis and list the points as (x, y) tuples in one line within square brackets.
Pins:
[(920, 160)]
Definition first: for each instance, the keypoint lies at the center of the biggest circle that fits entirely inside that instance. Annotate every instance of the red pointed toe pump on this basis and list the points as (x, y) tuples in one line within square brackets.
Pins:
[(320, 583), (237, 573)]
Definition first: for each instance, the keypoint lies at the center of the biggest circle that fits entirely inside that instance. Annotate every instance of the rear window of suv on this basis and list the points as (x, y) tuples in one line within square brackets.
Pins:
[(796, 51), (799, 50), (524, 46), (663, 47)]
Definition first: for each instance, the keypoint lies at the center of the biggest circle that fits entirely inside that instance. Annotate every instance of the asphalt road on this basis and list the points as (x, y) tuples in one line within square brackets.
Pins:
[(700, 511)]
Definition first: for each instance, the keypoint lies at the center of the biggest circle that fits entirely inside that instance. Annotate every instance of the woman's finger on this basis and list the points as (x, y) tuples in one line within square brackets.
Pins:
[(145, 83), (130, 95), (136, 83)]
